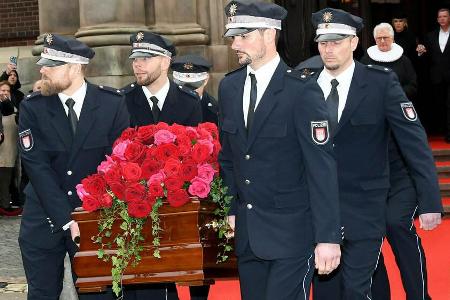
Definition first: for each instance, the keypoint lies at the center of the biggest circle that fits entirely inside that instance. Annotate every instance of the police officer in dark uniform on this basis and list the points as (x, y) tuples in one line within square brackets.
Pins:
[(65, 131), (367, 103), (277, 162), (192, 72), (154, 97)]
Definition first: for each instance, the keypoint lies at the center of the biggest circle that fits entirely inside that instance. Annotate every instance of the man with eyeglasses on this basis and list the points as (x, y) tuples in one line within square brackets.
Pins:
[(65, 131)]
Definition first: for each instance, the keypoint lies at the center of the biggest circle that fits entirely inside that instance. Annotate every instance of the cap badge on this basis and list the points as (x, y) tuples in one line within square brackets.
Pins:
[(49, 39), (188, 66), (139, 36), (232, 12), (327, 16)]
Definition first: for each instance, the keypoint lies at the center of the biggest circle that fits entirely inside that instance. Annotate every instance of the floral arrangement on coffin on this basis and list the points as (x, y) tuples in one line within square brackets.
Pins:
[(150, 165)]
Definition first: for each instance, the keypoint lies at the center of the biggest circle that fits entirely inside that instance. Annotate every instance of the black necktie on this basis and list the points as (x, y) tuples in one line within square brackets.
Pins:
[(333, 104), (252, 104), (155, 109), (73, 119)]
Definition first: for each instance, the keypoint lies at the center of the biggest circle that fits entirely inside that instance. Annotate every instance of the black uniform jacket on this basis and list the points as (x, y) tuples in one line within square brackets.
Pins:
[(181, 106), (377, 106), (283, 182), (439, 62), (210, 108), (55, 162)]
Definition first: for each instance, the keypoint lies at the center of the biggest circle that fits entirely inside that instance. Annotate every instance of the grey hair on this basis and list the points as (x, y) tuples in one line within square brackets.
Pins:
[(383, 26)]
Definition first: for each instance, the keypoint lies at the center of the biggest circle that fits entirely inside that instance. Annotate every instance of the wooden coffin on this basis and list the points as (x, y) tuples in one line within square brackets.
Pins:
[(188, 251)]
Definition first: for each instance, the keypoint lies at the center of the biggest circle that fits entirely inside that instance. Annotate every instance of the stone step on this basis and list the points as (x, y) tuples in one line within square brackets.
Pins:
[(446, 204), (443, 169)]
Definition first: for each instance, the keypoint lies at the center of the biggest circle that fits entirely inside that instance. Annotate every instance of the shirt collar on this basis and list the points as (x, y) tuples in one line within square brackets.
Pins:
[(161, 94), (267, 69), (78, 96), (345, 76)]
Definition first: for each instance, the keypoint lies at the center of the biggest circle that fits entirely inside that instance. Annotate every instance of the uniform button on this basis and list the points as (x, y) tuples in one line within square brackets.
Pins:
[(247, 182), (69, 172), (247, 157), (249, 206), (132, 85), (51, 225), (48, 218), (334, 145), (69, 193)]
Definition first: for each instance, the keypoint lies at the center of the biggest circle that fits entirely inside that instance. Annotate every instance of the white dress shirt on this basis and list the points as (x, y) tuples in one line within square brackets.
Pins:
[(78, 97), (344, 79), (160, 95), (263, 76), (443, 38)]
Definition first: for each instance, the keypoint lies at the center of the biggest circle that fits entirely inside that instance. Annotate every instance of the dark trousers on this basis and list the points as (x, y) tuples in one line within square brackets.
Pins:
[(407, 248), (438, 108), (281, 279), (163, 291), (353, 278), (5, 178)]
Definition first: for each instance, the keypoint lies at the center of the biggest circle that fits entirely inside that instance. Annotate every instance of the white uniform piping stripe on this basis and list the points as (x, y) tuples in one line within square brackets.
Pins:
[(412, 218), (421, 267), (304, 278), (376, 266)]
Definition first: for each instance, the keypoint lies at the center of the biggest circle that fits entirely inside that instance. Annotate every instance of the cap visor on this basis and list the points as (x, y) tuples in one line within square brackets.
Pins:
[(237, 31), (137, 54), (45, 62), (330, 37)]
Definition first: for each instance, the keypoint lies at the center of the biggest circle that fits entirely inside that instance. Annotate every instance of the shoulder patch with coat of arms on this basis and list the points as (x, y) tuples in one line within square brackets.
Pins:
[(409, 111), (26, 140), (320, 133)]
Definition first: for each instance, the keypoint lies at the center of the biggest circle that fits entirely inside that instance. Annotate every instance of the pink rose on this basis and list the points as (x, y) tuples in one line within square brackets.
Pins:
[(81, 192), (199, 188), (206, 172), (105, 165), (119, 149), (164, 137), (156, 178), (207, 143)]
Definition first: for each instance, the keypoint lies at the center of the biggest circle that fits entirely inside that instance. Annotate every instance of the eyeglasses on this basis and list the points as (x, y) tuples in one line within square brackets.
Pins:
[(381, 38)]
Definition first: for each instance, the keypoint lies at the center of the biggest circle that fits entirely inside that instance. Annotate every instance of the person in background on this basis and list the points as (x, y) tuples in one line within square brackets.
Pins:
[(403, 35), (277, 161), (12, 76), (402, 198), (388, 53), (192, 72), (368, 105), (65, 131), (8, 153), (436, 51)]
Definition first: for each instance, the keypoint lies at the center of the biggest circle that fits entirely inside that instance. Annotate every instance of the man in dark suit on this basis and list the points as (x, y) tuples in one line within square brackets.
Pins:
[(65, 131), (365, 104), (436, 49), (154, 97), (277, 162), (192, 72)]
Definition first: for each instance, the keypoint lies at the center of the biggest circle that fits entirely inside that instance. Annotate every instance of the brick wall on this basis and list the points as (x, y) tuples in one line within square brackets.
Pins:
[(19, 22)]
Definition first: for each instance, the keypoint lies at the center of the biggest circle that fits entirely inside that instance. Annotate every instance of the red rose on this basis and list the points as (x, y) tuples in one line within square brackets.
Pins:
[(200, 153), (131, 171), (161, 125), (150, 199), (114, 174), (204, 134), (177, 198), (173, 183), (184, 144), (172, 167), (178, 129), (211, 128), (106, 200), (165, 151), (145, 134), (118, 189), (216, 150), (191, 132), (127, 134), (139, 209), (150, 152), (155, 190), (188, 170), (94, 184), (135, 192), (135, 152), (150, 167), (91, 203)]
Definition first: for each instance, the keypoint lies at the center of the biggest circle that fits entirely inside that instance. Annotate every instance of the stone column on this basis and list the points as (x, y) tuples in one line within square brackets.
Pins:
[(106, 26)]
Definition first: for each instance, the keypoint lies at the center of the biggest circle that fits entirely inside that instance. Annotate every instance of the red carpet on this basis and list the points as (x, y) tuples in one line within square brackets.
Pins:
[(437, 249)]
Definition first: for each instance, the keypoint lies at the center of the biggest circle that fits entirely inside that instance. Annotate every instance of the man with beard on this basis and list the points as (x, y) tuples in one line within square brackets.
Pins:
[(277, 162), (154, 97), (65, 131)]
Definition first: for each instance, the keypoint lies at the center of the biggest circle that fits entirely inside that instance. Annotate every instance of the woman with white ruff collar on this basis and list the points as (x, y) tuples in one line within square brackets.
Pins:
[(388, 54)]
